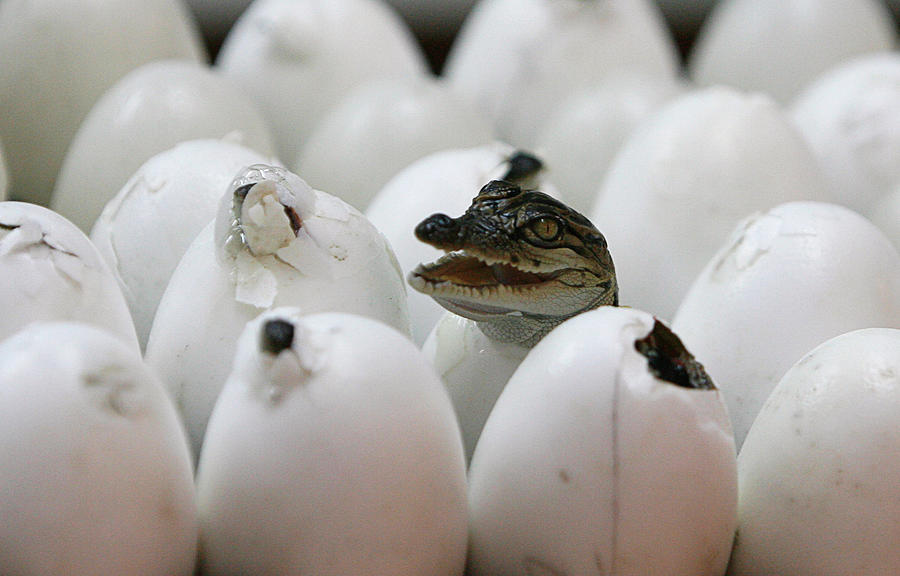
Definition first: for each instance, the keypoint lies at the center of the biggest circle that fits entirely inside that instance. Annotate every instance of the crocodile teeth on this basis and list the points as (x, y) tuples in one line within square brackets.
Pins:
[(462, 269)]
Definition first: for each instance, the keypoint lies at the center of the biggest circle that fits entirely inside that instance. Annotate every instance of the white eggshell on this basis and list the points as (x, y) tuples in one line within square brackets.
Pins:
[(517, 59), (145, 229), (58, 56), (337, 455), (147, 112), (296, 58), (779, 46), (851, 119), (51, 271), (379, 129), (786, 281), (444, 181), (474, 370), (94, 464), (818, 473), (886, 215), (685, 178), (337, 262), (591, 464), (582, 135)]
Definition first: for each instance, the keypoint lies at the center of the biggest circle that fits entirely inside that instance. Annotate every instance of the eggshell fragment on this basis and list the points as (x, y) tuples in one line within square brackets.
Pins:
[(94, 464), (333, 449), (379, 129), (445, 181), (145, 229), (787, 280), (779, 46), (296, 58), (515, 60), (52, 271), (685, 178), (592, 463), (147, 112), (275, 242), (57, 57), (818, 471), (851, 119)]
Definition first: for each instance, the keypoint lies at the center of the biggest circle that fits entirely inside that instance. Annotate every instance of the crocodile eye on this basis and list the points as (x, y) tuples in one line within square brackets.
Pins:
[(546, 228)]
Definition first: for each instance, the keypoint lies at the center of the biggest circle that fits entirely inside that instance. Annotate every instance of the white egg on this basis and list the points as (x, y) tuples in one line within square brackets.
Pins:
[(94, 465), (145, 229), (51, 271), (517, 59), (148, 111), (886, 215), (607, 453), (380, 128), (333, 449), (851, 119), (275, 242), (474, 370), (297, 57), (818, 473), (685, 178), (779, 46), (446, 182), (582, 135), (787, 280), (57, 57)]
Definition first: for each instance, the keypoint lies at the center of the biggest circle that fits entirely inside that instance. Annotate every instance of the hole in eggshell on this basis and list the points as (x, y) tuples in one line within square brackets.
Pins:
[(277, 335), (670, 361)]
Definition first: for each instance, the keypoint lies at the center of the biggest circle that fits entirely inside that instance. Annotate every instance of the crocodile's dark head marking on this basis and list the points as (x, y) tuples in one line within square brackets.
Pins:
[(518, 262)]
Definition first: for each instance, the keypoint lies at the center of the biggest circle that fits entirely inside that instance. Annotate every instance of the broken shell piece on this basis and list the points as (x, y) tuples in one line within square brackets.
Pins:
[(275, 242), (55, 273), (596, 457), (96, 472)]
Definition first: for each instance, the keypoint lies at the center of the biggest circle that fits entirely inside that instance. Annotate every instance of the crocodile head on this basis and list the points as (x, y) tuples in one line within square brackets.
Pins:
[(518, 262)]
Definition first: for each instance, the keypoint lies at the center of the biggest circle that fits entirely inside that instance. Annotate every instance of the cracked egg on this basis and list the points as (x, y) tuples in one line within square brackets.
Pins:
[(333, 449), (57, 274), (275, 242), (610, 451)]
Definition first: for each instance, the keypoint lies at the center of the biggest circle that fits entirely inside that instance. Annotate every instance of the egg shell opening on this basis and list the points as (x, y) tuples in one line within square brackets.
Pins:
[(589, 462), (339, 454)]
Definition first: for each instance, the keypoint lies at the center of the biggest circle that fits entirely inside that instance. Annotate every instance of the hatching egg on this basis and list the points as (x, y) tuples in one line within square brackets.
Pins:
[(851, 119), (50, 271), (275, 242), (445, 181), (818, 471), (515, 60), (610, 452), (333, 449), (145, 229), (57, 57), (787, 280), (94, 463), (296, 58), (380, 128), (779, 46), (685, 178), (148, 111)]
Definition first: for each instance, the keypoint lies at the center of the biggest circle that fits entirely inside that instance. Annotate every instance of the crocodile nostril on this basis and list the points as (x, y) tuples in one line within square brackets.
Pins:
[(434, 227)]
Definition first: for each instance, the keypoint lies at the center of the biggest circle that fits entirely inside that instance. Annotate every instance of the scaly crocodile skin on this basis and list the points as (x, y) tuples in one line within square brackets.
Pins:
[(518, 263)]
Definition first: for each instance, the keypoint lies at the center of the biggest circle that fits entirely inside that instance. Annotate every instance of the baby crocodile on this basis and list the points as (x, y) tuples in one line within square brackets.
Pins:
[(518, 263)]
